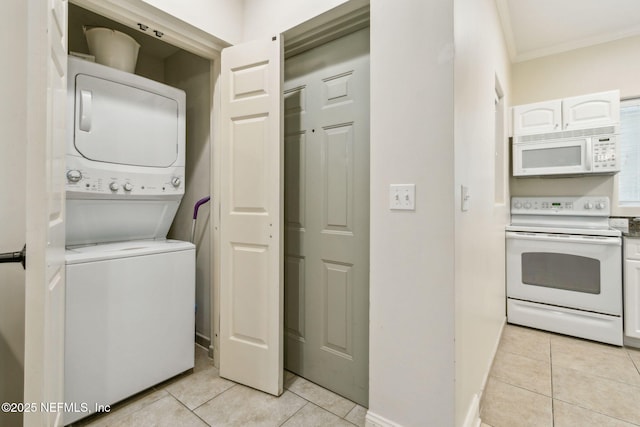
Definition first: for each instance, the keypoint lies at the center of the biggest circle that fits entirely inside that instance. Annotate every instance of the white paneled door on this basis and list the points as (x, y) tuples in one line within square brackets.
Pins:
[(251, 291), (45, 282), (327, 215)]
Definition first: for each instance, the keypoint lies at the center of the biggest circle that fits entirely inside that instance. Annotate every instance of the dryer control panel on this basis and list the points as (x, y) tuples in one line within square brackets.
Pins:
[(87, 182)]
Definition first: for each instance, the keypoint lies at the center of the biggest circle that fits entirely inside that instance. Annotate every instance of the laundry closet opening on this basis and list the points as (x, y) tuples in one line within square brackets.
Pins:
[(326, 96), (176, 67)]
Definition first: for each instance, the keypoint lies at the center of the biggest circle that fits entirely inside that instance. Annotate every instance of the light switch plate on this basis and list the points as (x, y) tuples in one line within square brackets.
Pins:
[(465, 196), (402, 197)]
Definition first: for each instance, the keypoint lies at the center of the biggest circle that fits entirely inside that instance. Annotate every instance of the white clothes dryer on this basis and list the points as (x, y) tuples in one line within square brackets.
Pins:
[(125, 155)]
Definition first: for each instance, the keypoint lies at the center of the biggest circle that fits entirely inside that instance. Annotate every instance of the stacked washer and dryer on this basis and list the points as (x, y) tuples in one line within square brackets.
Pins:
[(130, 292)]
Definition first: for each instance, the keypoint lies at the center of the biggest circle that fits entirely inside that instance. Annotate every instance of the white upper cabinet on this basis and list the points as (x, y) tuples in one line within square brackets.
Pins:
[(594, 110), (541, 117), (578, 112)]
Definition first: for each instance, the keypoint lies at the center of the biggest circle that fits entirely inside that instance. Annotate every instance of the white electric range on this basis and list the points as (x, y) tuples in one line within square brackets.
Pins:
[(564, 269)]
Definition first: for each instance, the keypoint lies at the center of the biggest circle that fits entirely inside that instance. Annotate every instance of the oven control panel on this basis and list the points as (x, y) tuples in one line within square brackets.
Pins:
[(579, 206)]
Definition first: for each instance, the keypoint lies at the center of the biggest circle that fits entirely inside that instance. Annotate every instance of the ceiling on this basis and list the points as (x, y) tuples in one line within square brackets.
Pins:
[(536, 28), (532, 28)]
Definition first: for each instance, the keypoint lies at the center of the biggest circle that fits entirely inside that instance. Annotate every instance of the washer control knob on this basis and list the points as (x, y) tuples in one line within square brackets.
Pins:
[(175, 181), (600, 205), (114, 186), (127, 187), (517, 205), (74, 175), (588, 205), (527, 205)]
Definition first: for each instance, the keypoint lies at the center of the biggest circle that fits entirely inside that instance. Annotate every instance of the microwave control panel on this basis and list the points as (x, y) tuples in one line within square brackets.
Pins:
[(605, 157)]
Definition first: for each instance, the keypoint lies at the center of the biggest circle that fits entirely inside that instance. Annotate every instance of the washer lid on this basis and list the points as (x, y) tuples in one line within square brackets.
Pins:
[(122, 124), (108, 251)]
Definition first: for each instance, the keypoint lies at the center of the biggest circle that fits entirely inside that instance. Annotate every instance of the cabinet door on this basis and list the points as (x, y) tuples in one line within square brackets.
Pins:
[(593, 110), (632, 248), (541, 117), (632, 298)]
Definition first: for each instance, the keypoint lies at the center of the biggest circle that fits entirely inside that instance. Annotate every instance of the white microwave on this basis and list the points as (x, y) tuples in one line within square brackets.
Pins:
[(578, 155)]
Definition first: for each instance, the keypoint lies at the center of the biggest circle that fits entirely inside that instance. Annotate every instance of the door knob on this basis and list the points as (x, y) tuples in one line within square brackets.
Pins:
[(20, 257)]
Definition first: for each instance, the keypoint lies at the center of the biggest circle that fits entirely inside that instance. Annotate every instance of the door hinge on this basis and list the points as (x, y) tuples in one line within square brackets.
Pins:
[(20, 257)]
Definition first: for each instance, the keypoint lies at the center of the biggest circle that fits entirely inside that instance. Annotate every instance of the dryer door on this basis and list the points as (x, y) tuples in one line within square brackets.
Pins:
[(121, 124)]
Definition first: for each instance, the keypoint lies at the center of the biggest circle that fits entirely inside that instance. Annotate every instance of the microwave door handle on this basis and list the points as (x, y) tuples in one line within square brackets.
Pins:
[(587, 155)]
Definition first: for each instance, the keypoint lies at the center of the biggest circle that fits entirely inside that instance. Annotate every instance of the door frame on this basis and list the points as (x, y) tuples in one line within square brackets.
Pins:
[(39, 386), (44, 205)]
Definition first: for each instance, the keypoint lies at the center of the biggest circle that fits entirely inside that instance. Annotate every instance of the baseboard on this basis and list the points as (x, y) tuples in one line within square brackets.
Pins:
[(375, 420), (473, 414), (493, 358), (478, 398), (203, 341), (631, 342)]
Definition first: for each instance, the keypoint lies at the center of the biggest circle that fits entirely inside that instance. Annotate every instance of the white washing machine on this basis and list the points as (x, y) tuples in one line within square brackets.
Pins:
[(129, 319), (130, 293)]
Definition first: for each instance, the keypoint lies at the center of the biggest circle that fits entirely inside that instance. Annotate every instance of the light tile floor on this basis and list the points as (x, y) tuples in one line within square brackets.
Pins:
[(202, 398), (544, 379)]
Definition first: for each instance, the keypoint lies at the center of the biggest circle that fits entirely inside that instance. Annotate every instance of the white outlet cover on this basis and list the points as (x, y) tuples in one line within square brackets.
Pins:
[(621, 224)]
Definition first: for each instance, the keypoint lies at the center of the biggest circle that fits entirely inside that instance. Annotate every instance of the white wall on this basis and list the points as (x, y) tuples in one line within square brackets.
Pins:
[(412, 253), (481, 56), (13, 87), (264, 17), (192, 74), (222, 18), (613, 65)]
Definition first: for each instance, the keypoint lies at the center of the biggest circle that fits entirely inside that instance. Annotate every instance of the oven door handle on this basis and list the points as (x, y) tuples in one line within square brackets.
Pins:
[(566, 238)]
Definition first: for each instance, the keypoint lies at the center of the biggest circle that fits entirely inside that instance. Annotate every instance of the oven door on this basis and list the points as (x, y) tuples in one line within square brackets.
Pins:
[(581, 272), (570, 156)]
